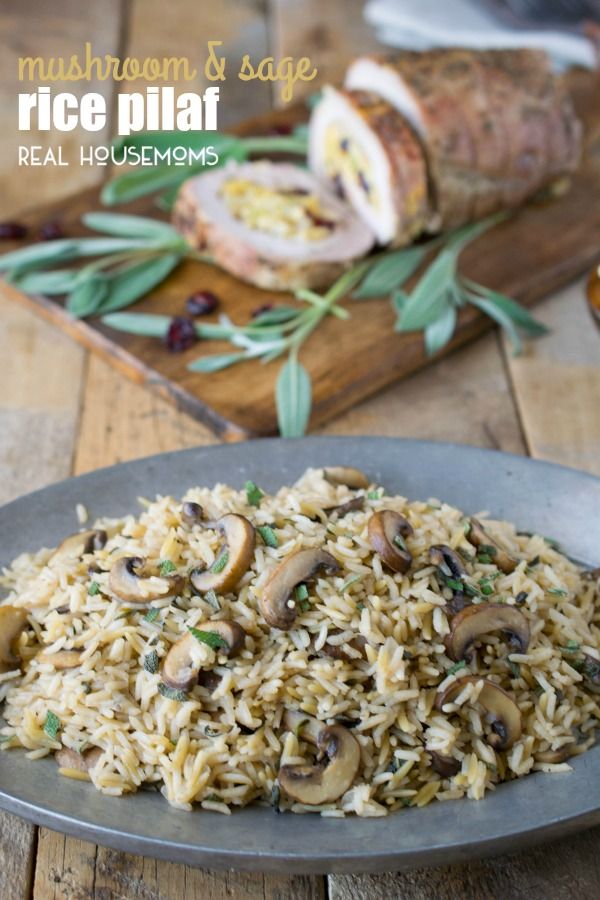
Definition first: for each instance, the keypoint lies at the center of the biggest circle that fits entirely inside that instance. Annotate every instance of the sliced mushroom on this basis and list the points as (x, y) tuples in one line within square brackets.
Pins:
[(344, 508), (591, 673), (479, 538), (81, 762), (447, 561), (12, 622), (191, 513), (446, 766), (502, 712), (484, 618), (387, 530), (128, 581), (180, 670), (554, 756), (346, 475), (325, 781), (62, 659), (239, 538), (295, 569), (77, 545), (336, 651)]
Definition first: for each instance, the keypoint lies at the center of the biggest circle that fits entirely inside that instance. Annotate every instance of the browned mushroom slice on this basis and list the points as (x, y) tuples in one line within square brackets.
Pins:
[(554, 756), (128, 581), (447, 561), (62, 659), (295, 569), (191, 513), (591, 673), (480, 539), (180, 668), (326, 781), (80, 762), (77, 545), (484, 618), (502, 712), (343, 509), (12, 622), (346, 475), (336, 651), (234, 560), (446, 766), (387, 530)]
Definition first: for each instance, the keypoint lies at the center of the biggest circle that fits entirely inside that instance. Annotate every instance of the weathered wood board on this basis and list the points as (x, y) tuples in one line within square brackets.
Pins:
[(543, 247)]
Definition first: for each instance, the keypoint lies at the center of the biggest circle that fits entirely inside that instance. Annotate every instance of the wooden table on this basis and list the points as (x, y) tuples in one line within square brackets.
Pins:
[(63, 412)]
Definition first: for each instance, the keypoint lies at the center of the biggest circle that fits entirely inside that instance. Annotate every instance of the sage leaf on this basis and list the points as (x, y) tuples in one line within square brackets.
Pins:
[(440, 331), (428, 298), (276, 316), (293, 395), (37, 254), (391, 272), (499, 315), (145, 324), (120, 225), (50, 283), (517, 313), (215, 362), (88, 295), (136, 280), (163, 141)]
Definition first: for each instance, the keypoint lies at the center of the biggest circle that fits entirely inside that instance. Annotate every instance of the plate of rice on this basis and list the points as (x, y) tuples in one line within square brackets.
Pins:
[(330, 654)]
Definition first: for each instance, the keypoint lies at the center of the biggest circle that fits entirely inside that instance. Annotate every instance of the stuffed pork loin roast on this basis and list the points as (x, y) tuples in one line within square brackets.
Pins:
[(492, 128), (272, 224)]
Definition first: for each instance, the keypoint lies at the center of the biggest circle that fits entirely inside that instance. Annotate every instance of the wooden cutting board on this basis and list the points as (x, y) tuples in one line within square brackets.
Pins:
[(539, 250)]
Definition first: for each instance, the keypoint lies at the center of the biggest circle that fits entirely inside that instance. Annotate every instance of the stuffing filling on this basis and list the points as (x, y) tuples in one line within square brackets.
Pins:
[(346, 162), (291, 213)]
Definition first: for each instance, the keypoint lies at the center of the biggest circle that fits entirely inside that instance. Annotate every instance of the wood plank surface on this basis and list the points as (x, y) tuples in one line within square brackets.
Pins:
[(547, 243), (467, 397)]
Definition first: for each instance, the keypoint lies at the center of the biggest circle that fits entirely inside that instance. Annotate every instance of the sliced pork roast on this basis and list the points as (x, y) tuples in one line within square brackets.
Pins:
[(272, 224), (360, 144), (496, 126)]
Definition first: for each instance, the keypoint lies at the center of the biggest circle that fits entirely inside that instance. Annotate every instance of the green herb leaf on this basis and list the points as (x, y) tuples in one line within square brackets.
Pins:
[(571, 647), (120, 225), (279, 315), (93, 588), (152, 614), (391, 272), (454, 584), (293, 396), (151, 662), (268, 535), (139, 182), (557, 592), (136, 280), (210, 638), (52, 725), (301, 592), (456, 667), (51, 283), (350, 581), (502, 318), (167, 567), (519, 315), (215, 362), (87, 295), (220, 562), (375, 495), (172, 693), (253, 493), (439, 332), (515, 668), (145, 324)]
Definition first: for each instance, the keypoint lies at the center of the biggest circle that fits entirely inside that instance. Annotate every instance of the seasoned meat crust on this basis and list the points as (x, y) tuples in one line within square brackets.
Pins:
[(497, 126)]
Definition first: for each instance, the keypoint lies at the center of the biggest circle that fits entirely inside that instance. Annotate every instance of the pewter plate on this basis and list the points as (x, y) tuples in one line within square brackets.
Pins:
[(536, 496)]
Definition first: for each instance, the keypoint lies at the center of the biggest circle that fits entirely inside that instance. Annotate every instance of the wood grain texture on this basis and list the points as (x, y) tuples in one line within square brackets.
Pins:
[(547, 244), (557, 384), (557, 871), (60, 28)]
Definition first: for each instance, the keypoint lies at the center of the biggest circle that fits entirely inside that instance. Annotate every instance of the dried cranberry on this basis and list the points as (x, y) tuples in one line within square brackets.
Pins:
[(12, 231), (51, 231), (201, 303), (283, 129), (181, 334), (260, 310)]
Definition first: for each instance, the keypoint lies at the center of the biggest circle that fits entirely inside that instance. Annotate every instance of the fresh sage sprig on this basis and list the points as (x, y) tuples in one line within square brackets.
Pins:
[(136, 255), (431, 307), (169, 176)]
